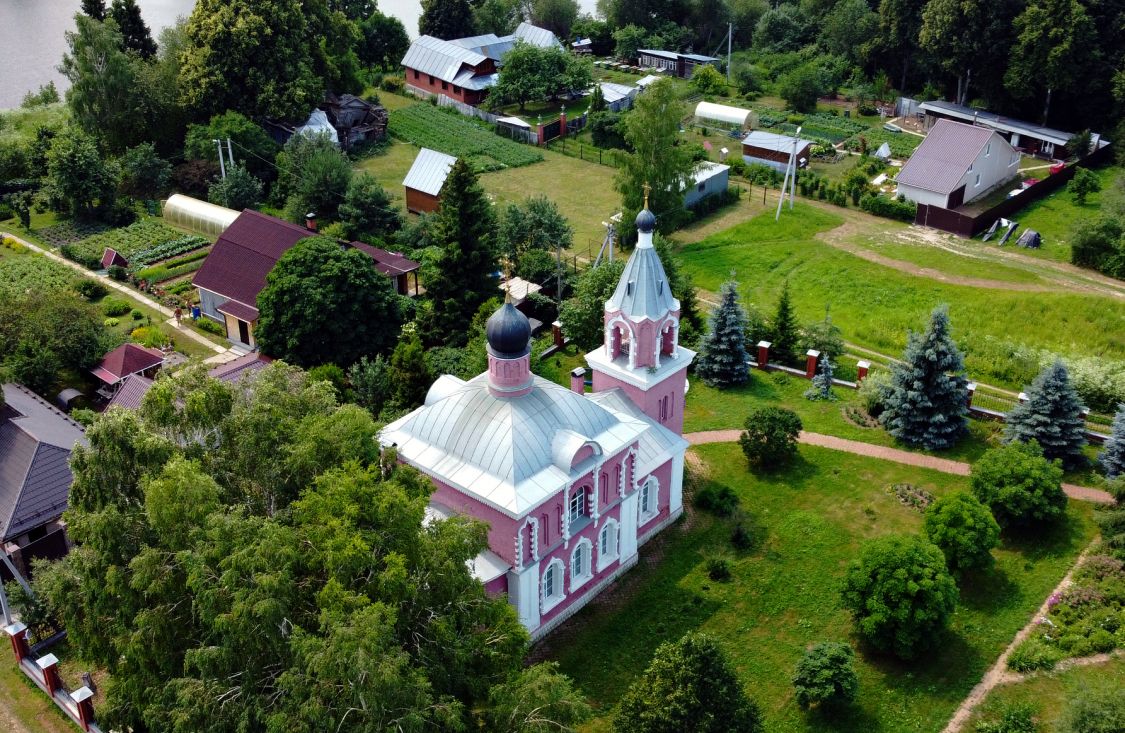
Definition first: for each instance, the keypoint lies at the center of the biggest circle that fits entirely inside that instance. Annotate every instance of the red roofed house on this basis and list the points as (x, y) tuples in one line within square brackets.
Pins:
[(126, 360), (236, 268), (956, 164)]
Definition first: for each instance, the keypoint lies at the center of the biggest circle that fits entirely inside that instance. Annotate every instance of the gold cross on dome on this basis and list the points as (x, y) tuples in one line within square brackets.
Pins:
[(647, 188)]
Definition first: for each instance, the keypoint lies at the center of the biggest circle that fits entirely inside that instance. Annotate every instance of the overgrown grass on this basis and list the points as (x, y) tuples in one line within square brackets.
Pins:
[(1054, 217), (875, 305), (809, 521)]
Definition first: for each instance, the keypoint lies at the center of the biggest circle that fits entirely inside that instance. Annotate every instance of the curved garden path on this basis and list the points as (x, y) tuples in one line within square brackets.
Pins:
[(886, 453)]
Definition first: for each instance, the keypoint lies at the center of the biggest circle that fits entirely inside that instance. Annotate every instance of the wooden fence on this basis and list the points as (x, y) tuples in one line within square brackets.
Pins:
[(969, 225)]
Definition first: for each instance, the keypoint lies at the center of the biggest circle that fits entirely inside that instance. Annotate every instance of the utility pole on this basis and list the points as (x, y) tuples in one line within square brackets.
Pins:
[(222, 165), (230, 154), (788, 169), (730, 30)]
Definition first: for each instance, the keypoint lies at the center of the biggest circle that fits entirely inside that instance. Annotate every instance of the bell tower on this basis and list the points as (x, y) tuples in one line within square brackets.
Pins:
[(641, 352)]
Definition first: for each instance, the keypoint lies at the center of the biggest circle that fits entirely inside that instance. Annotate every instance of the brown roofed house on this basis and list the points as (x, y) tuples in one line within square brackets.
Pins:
[(956, 164)]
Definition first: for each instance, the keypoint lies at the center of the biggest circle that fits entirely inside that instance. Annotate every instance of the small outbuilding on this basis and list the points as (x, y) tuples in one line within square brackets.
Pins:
[(582, 46), (772, 149), (725, 115), (198, 216), (356, 120), (126, 360), (113, 258), (618, 97), (424, 180), (646, 81), (709, 179)]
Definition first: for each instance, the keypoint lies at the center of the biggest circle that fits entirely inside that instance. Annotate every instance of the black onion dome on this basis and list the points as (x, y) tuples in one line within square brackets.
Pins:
[(508, 332), (646, 221)]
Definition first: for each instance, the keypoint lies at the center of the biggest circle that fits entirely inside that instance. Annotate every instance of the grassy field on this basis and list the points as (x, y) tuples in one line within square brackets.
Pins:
[(1047, 693), (809, 521), (1054, 217), (875, 305)]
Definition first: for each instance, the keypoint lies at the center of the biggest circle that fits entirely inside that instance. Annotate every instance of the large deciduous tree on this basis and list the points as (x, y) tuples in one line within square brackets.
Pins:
[(964, 529), (102, 82), (556, 16), (239, 190), (900, 594), (462, 274), (251, 145), (1052, 416), (1055, 44), (532, 224), (144, 174), (383, 41), (259, 57), (446, 19), (80, 181), (689, 685), (927, 402), (658, 161), (583, 316), (900, 22), (324, 304), (1019, 485), (723, 361)]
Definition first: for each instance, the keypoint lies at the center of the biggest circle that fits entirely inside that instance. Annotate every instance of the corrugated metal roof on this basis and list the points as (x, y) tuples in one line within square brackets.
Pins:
[(500, 450), (616, 92), (439, 58), (644, 81), (471, 80), (707, 170), (774, 141), (536, 36), (997, 122), (474, 42), (643, 290), (670, 55), (428, 172), (698, 57), (944, 157)]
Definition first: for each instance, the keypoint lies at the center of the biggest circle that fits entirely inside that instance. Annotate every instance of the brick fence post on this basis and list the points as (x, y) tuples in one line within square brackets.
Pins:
[(764, 354), (578, 380), (83, 698), (811, 358), (557, 334), (970, 390), (861, 369), (50, 666), (18, 634)]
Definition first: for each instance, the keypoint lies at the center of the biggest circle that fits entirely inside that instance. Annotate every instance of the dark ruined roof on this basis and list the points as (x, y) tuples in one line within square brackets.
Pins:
[(238, 264), (944, 157), (35, 444), (112, 257), (349, 112), (127, 359)]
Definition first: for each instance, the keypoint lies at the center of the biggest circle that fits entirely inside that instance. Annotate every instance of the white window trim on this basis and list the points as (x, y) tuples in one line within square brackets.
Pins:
[(977, 184), (606, 559), (654, 499), (576, 580), (579, 495), (549, 602)]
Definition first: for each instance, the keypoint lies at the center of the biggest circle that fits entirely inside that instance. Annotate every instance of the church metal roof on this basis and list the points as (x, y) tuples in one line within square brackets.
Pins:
[(643, 290)]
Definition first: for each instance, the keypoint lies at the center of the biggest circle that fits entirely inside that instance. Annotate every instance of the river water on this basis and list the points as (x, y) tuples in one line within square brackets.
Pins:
[(32, 41)]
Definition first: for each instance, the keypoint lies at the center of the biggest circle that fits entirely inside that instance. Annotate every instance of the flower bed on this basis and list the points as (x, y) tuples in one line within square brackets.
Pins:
[(428, 126)]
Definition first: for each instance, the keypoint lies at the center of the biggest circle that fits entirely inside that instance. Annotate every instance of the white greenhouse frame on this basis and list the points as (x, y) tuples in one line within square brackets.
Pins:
[(194, 215), (743, 118)]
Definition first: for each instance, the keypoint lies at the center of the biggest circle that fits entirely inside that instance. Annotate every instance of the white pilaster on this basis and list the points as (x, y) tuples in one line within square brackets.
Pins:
[(676, 492), (628, 537), (523, 593)]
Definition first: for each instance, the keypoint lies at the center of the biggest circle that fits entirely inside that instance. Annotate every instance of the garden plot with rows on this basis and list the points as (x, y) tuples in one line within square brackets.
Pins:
[(449, 132), (158, 255)]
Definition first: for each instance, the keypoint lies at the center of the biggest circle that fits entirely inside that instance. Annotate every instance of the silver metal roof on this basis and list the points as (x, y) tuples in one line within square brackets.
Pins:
[(996, 122), (471, 80), (441, 59), (536, 36), (643, 290), (616, 92), (774, 141), (428, 172), (656, 445), (670, 55), (511, 453)]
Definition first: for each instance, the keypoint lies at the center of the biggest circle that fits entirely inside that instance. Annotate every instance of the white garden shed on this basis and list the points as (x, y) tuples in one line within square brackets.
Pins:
[(726, 115)]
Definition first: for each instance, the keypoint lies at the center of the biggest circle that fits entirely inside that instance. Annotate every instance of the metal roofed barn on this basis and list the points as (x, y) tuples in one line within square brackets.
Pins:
[(424, 180)]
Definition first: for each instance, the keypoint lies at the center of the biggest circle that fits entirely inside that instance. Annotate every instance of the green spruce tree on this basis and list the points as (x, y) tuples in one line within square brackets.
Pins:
[(822, 383), (135, 35), (927, 400), (461, 277), (94, 9), (1112, 456), (785, 334), (1052, 416), (723, 358)]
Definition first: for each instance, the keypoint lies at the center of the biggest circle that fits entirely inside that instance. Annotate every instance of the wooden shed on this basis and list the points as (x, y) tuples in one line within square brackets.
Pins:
[(424, 180), (772, 149)]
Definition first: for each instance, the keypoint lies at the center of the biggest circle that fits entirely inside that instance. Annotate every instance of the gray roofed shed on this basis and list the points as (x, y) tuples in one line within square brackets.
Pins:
[(774, 141), (428, 172), (536, 36)]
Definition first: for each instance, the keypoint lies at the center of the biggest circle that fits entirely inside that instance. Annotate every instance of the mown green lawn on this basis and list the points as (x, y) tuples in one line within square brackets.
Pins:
[(875, 305), (810, 521), (1054, 217), (1048, 693), (969, 260)]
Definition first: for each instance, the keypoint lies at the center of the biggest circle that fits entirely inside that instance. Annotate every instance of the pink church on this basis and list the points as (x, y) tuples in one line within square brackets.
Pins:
[(571, 484)]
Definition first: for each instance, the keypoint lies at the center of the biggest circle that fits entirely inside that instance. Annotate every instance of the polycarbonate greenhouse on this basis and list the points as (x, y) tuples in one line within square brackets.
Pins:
[(724, 114), (205, 218)]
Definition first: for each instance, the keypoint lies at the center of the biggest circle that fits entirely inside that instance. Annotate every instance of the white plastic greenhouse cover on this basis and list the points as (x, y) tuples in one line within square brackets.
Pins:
[(723, 113), (198, 216), (318, 124)]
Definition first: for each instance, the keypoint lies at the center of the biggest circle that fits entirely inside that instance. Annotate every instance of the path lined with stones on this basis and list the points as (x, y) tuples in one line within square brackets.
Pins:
[(886, 453)]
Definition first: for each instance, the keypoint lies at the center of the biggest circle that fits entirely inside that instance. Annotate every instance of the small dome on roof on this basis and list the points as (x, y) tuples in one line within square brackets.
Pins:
[(646, 221), (508, 332)]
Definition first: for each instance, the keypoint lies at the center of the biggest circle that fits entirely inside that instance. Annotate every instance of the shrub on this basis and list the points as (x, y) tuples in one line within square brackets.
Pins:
[(1019, 485), (117, 272), (741, 537), (718, 569), (718, 499), (110, 323), (873, 392), (1013, 719), (1033, 654), (770, 437), (964, 530), (900, 594), (392, 83), (206, 324), (150, 336), (90, 289), (115, 307), (888, 208), (826, 675), (136, 315)]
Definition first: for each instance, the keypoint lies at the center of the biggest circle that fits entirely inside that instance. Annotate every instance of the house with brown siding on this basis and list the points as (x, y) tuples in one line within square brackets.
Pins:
[(424, 180), (769, 148)]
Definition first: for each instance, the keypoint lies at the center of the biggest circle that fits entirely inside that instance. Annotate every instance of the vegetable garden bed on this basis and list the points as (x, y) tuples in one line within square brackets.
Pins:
[(902, 143), (430, 127), (141, 243), (31, 272), (69, 232)]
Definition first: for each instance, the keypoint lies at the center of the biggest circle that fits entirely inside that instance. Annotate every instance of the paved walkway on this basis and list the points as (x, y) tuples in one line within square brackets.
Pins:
[(126, 291), (922, 460)]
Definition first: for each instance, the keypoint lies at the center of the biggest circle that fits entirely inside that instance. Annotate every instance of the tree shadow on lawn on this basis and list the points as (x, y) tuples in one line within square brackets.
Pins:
[(988, 590), (947, 670), (1063, 538), (842, 719)]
